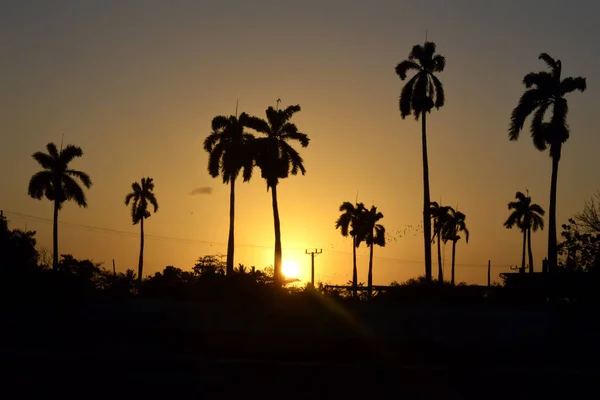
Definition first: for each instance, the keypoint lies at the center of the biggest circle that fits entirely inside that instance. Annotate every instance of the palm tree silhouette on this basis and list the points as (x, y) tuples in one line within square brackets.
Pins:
[(230, 152), (439, 215), (547, 90), (527, 217), (455, 224), (277, 159), (348, 223), (373, 234), (58, 183), (420, 94), (141, 196)]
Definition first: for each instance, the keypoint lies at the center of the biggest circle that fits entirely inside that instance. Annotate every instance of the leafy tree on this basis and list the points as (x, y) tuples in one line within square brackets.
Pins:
[(545, 91), (230, 152), (455, 225), (58, 183), (276, 159), (140, 198), (527, 217), (209, 265), (579, 249), (348, 223), (420, 94), (372, 234), (439, 215), (17, 247), (589, 219)]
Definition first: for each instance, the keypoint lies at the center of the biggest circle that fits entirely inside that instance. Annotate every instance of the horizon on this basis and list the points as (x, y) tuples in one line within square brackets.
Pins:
[(137, 87)]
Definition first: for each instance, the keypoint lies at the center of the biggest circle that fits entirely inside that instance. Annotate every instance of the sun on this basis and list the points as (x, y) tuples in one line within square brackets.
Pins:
[(290, 269)]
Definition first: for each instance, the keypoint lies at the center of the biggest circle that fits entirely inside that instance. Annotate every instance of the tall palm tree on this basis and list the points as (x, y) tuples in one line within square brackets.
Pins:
[(525, 216), (439, 215), (229, 149), (140, 198), (547, 90), (276, 159), (58, 183), (373, 234), (348, 223), (420, 94), (455, 224)]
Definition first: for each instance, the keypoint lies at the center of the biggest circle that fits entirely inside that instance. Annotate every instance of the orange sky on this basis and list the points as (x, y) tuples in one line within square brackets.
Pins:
[(136, 84)]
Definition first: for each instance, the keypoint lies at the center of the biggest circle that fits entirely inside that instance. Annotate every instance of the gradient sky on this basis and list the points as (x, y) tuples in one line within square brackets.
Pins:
[(136, 84)]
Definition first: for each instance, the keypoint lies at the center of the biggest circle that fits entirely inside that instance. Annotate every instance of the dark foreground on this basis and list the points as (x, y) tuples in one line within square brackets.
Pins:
[(169, 351)]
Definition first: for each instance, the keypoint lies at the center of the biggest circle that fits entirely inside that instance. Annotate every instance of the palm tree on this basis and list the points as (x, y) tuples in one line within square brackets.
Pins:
[(373, 234), (454, 225), (525, 216), (229, 149), (141, 196), (276, 159), (420, 94), (348, 223), (547, 90), (58, 183), (439, 215)]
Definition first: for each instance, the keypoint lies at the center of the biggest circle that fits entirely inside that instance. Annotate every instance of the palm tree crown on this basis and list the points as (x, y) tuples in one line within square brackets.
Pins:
[(275, 157), (525, 215), (545, 90), (424, 90), (57, 182), (140, 198), (229, 148)]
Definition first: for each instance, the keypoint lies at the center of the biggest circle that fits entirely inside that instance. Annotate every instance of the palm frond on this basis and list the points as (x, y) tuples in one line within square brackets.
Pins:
[(287, 114), (569, 85), (221, 122), (439, 63), (258, 124), (295, 135), (69, 153), (151, 198), (210, 141), (528, 102), (130, 197), (73, 191), (416, 53), (45, 160), (538, 127), (52, 150), (405, 101), (551, 62), (82, 176), (538, 79), (440, 96), (405, 66), (215, 159), (40, 184)]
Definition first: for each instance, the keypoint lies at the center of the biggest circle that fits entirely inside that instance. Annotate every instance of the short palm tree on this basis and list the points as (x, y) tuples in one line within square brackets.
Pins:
[(141, 197), (439, 215), (276, 159), (527, 217), (455, 224), (372, 234), (545, 91), (348, 223), (230, 152), (58, 183), (418, 97)]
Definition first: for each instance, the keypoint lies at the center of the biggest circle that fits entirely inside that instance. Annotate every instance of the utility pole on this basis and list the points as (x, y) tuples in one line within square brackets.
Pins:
[(489, 274), (313, 253), (114, 269)]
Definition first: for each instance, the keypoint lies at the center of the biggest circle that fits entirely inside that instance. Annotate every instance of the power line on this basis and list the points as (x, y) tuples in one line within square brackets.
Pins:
[(207, 242)]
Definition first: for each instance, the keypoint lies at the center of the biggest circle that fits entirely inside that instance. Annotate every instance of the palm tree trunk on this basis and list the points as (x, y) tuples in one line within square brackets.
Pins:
[(552, 250), (277, 223), (524, 247), (453, 255), (439, 249), (529, 251), (354, 269), (141, 260), (55, 237), (230, 243), (426, 200), (370, 277)]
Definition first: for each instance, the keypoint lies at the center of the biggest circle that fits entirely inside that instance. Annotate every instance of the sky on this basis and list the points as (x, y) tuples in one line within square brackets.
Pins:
[(136, 84)]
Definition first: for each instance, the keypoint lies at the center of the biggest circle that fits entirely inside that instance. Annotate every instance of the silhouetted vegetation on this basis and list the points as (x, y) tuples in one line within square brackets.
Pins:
[(141, 198), (545, 91), (58, 183), (348, 223), (418, 97), (440, 216), (527, 217)]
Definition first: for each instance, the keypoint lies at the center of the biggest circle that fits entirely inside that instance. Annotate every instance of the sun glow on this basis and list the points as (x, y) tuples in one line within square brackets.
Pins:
[(290, 269)]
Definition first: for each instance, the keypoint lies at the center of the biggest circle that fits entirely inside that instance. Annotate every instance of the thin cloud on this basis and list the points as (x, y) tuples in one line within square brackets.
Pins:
[(202, 190)]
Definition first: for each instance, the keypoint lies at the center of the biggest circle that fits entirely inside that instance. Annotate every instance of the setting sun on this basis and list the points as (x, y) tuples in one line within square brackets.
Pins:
[(290, 269)]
